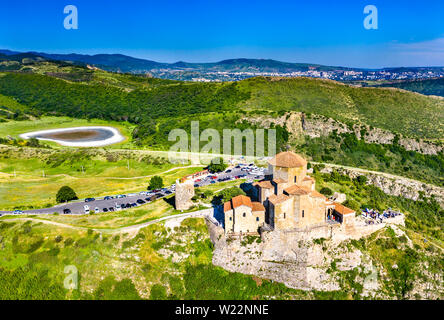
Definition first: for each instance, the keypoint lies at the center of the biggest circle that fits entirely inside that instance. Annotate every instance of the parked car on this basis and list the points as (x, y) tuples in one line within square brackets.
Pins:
[(89, 199), (132, 194), (118, 207), (86, 208), (105, 209), (97, 210), (108, 198), (140, 201), (121, 196), (196, 185), (111, 209), (17, 212), (133, 204), (168, 192), (66, 211)]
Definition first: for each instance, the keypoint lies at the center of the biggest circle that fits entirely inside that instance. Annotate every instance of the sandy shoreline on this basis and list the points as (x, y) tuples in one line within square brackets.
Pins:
[(115, 137)]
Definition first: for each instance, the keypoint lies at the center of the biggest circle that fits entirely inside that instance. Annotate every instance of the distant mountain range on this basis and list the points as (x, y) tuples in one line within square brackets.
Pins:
[(231, 69), (123, 63)]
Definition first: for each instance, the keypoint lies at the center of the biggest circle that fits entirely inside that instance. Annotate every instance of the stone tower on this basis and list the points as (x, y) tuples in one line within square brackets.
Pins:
[(184, 193)]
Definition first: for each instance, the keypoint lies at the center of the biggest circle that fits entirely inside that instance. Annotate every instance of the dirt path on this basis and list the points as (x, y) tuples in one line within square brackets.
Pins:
[(100, 177), (132, 228), (387, 175)]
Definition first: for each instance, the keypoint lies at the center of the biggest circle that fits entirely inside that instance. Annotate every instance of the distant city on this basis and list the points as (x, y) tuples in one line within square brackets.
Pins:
[(338, 75)]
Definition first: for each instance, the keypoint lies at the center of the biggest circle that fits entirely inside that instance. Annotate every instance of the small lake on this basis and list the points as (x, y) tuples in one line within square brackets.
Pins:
[(79, 136)]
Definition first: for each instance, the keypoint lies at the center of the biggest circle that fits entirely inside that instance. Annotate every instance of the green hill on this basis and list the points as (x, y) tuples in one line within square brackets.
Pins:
[(139, 99), (428, 87)]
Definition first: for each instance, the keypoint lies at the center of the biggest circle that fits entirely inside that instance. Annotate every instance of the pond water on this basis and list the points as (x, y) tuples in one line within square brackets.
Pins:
[(79, 136)]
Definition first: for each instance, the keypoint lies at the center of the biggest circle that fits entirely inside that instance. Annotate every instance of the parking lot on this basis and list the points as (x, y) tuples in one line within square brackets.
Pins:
[(121, 202)]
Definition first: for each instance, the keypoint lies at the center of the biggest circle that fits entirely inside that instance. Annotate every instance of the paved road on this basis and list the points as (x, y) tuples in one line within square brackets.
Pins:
[(77, 207)]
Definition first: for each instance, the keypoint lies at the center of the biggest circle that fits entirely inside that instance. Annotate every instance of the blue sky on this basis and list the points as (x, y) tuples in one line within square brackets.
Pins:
[(410, 33)]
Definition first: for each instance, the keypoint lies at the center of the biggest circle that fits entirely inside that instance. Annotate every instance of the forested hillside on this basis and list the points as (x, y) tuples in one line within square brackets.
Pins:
[(138, 99), (427, 87)]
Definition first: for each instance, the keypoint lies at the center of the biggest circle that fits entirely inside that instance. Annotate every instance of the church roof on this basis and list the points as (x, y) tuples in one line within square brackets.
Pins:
[(274, 199), (342, 209), (266, 184), (316, 194), (237, 202), (288, 159), (297, 190), (257, 206)]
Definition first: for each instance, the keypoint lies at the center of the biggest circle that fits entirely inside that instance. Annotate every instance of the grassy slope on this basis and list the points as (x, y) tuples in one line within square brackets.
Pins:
[(100, 177), (403, 112), (427, 87), (125, 257), (398, 111)]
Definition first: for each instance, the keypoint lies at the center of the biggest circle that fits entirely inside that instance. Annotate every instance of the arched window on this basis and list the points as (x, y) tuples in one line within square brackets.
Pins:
[(302, 213), (244, 214), (257, 218), (231, 218), (284, 215), (295, 179)]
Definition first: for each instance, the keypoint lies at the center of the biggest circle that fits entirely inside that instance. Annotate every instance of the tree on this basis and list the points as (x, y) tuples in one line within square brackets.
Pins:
[(362, 179), (66, 194), (227, 194), (352, 204), (326, 191), (156, 182), (217, 165)]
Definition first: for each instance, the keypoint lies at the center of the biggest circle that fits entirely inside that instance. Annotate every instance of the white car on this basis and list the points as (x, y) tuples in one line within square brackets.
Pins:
[(86, 207), (118, 207), (132, 195), (97, 210)]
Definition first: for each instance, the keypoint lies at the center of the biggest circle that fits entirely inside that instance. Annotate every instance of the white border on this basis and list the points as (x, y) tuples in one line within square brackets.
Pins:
[(117, 137)]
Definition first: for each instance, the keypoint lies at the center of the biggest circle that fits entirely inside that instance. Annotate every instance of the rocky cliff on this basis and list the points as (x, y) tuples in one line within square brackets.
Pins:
[(298, 125)]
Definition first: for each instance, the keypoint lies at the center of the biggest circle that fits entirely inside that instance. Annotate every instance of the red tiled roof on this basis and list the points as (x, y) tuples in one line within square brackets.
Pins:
[(278, 180), (288, 159), (227, 206), (257, 206), (237, 202), (274, 199), (316, 194), (266, 184), (342, 209), (241, 201), (297, 190)]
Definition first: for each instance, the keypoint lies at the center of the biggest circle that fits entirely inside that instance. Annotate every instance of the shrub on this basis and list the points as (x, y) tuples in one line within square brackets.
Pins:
[(156, 182), (158, 292), (65, 194), (217, 165), (326, 191)]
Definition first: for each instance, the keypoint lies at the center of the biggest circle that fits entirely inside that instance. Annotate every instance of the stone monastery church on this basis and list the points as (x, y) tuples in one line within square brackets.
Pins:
[(287, 200)]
